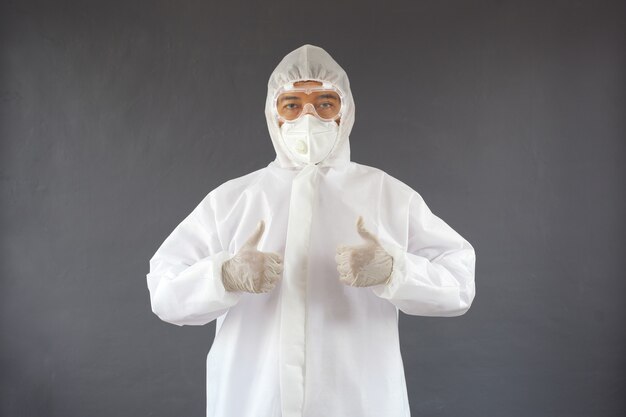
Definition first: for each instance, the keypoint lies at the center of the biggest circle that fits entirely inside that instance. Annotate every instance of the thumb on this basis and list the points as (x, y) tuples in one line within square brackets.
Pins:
[(365, 234), (254, 238)]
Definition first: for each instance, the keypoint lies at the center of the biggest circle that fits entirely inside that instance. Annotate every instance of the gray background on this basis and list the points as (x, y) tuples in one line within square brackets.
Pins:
[(118, 117)]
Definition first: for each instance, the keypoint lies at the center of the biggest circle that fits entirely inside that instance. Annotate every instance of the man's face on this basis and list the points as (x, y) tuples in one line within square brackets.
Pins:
[(291, 102)]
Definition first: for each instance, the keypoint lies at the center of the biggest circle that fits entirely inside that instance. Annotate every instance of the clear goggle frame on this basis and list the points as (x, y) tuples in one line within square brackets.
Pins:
[(323, 101)]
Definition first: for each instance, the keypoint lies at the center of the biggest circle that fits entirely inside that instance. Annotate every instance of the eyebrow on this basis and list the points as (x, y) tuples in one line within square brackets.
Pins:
[(283, 98), (330, 96)]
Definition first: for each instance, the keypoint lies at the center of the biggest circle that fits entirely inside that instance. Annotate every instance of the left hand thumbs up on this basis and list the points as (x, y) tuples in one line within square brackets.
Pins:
[(366, 264)]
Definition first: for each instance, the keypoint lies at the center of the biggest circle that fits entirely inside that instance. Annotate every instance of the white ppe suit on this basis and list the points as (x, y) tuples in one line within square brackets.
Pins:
[(313, 346)]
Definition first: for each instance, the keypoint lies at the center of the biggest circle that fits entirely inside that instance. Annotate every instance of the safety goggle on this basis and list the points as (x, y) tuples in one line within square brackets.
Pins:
[(292, 102)]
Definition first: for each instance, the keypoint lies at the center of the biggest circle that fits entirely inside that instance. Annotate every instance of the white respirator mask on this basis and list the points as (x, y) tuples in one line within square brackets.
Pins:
[(309, 139)]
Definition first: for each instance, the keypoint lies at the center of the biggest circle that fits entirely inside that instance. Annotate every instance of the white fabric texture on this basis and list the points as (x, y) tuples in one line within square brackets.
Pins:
[(251, 270), (312, 346)]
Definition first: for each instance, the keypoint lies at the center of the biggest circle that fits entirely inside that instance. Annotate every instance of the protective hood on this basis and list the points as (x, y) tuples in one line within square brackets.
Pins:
[(310, 62)]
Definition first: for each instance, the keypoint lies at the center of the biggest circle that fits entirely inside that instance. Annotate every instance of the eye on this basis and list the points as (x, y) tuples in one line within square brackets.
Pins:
[(290, 106)]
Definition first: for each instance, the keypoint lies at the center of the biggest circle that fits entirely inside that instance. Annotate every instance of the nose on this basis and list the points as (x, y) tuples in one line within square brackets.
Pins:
[(309, 108)]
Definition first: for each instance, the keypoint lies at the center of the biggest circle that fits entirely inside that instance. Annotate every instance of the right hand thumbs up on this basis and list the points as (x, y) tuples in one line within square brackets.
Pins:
[(251, 270)]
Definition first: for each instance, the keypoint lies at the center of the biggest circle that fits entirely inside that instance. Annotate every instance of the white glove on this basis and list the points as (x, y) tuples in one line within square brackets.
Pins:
[(364, 265), (251, 270)]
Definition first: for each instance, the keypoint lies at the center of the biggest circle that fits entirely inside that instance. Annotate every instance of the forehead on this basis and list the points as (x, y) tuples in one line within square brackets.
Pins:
[(306, 83)]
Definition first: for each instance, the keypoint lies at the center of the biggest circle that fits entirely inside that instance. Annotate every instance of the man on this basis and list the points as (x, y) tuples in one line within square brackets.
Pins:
[(306, 263)]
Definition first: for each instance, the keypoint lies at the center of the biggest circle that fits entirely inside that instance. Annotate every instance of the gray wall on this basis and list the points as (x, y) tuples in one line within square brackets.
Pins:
[(117, 117)]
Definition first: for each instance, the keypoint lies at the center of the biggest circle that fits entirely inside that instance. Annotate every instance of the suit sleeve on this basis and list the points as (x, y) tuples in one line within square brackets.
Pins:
[(434, 276), (185, 281)]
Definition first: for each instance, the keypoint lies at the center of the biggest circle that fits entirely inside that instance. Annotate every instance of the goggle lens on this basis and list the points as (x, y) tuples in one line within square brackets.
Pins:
[(290, 105)]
